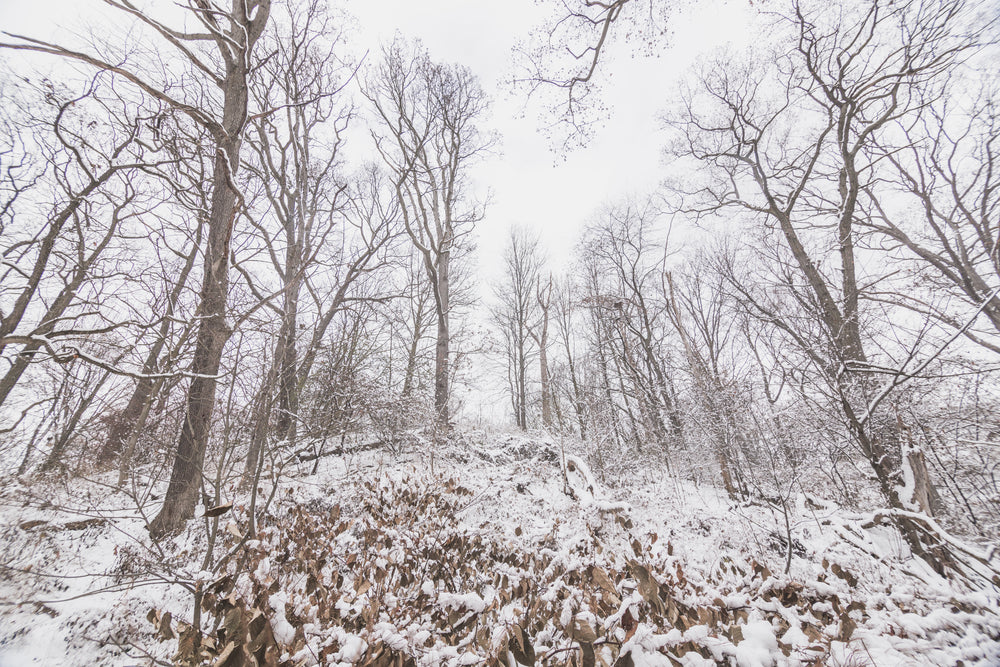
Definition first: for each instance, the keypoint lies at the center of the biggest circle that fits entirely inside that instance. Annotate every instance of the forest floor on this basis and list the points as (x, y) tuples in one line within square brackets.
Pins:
[(499, 550)]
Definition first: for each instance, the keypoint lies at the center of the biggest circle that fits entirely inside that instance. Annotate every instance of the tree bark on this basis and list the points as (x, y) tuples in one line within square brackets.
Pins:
[(413, 349), (287, 354), (544, 297), (213, 331), (441, 348)]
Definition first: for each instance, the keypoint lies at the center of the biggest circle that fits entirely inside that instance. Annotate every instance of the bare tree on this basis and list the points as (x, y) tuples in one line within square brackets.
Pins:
[(185, 180), (352, 253), (48, 257), (847, 78), (414, 317), (233, 33), (565, 311), (945, 163), (629, 252), (516, 314), (428, 137), (540, 334), (696, 309), (561, 62), (297, 151)]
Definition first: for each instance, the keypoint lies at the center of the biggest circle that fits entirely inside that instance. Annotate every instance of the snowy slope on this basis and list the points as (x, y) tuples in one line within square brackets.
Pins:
[(497, 550)]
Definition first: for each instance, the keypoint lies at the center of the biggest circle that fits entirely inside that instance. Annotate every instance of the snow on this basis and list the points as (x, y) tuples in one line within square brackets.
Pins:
[(80, 597), (283, 631), (759, 644), (457, 601), (353, 649)]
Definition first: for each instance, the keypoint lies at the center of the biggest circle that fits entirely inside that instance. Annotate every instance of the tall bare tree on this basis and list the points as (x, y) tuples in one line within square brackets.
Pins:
[(516, 313), (565, 311), (428, 136), (946, 165), (629, 250), (177, 246), (540, 334), (847, 77), (296, 155), (48, 257), (232, 33)]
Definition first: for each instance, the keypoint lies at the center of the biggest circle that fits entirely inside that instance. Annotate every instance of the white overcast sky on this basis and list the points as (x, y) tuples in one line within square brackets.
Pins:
[(531, 184), (557, 193)]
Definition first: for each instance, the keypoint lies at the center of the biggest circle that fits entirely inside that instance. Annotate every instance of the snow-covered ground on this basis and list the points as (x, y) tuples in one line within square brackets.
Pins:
[(499, 549)]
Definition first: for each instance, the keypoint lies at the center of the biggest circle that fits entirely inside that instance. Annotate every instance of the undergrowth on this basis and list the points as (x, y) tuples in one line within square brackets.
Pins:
[(402, 583)]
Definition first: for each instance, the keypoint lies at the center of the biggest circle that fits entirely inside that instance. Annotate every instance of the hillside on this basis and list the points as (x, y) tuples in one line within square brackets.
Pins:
[(498, 549)]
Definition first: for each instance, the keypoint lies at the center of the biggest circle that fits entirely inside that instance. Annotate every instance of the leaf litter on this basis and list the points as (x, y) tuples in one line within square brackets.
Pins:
[(502, 555)]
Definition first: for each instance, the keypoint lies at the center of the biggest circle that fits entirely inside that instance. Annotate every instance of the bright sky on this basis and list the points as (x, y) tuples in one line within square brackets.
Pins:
[(552, 192), (532, 185), (555, 193)]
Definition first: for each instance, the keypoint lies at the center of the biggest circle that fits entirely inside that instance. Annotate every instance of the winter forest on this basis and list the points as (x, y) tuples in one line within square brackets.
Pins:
[(304, 362)]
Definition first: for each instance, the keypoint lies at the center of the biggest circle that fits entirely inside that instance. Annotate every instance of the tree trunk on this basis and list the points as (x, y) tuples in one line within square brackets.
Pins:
[(923, 544), (59, 306), (262, 413), (925, 496), (128, 451), (441, 391), (543, 369), (520, 378), (287, 360), (543, 364), (414, 348), (602, 364), (213, 331), (578, 404), (129, 419), (62, 440)]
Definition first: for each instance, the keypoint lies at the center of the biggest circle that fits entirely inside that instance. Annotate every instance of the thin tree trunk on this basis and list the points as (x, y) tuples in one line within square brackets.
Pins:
[(128, 451), (128, 420), (59, 306), (544, 298), (520, 376), (63, 439), (411, 353), (577, 393), (543, 364), (287, 356)]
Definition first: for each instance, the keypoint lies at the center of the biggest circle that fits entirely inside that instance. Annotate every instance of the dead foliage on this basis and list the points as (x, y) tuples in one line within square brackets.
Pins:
[(402, 583)]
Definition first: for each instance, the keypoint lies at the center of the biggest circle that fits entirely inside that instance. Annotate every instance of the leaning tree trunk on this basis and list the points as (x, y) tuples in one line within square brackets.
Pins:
[(63, 439), (62, 302), (121, 432), (213, 331), (258, 438)]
